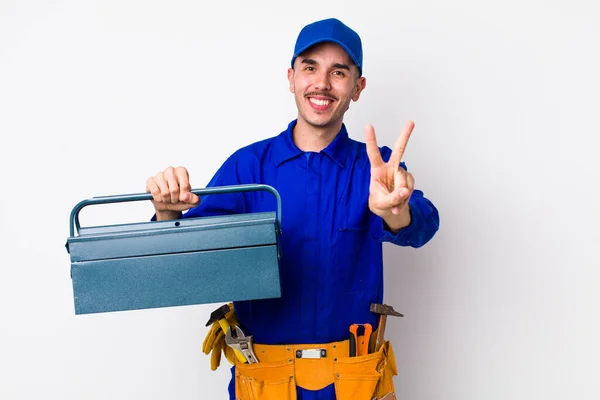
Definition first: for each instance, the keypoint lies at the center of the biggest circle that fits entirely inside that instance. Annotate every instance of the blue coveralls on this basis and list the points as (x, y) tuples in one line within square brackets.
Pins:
[(331, 246)]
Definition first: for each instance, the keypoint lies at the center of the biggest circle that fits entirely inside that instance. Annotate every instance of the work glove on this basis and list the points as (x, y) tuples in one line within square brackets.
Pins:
[(214, 343)]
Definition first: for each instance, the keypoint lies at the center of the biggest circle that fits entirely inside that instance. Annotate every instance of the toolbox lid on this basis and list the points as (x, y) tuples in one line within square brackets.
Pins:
[(173, 236)]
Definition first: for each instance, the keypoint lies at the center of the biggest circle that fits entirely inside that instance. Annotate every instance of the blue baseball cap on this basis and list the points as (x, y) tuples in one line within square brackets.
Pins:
[(330, 30)]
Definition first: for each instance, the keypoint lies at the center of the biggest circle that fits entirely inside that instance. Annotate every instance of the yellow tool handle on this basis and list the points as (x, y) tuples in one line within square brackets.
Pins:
[(225, 327)]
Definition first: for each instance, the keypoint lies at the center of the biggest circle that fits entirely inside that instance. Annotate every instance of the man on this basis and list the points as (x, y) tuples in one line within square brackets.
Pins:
[(341, 199)]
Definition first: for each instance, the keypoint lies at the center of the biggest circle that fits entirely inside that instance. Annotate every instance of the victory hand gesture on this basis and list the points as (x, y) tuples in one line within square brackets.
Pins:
[(391, 185)]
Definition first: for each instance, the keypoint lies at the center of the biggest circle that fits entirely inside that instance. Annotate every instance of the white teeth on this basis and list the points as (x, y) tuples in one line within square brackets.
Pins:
[(320, 102)]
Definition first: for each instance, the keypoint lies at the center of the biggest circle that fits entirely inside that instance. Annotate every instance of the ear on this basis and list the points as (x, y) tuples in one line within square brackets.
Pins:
[(290, 76), (361, 84)]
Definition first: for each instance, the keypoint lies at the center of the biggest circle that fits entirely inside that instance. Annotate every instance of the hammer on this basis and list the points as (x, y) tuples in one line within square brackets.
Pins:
[(383, 310), (219, 316)]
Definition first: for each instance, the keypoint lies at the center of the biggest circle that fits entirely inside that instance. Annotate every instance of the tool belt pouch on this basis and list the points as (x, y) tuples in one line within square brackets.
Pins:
[(265, 381), (278, 372), (366, 377)]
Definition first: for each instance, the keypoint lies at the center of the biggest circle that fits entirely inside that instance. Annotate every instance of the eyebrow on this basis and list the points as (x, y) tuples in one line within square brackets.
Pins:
[(341, 66), (310, 61)]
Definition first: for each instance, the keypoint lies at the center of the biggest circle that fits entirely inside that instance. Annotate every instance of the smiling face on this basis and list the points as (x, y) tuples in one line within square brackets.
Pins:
[(324, 80)]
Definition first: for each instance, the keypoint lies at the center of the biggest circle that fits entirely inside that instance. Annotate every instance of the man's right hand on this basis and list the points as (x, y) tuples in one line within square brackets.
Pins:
[(171, 193)]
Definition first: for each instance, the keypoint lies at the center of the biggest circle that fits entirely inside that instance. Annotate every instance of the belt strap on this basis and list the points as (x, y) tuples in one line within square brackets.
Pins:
[(279, 352), (310, 373)]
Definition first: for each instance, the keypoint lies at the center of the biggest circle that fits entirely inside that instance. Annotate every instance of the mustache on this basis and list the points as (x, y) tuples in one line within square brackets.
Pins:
[(327, 95)]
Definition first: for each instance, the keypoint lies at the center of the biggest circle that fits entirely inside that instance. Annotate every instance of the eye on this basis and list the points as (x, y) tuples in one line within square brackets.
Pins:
[(309, 68), (339, 73)]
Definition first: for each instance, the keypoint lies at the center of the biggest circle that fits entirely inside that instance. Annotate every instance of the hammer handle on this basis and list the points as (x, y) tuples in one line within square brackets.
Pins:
[(380, 331)]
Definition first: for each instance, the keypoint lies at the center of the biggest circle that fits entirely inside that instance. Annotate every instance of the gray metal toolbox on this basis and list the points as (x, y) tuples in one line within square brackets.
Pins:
[(174, 263)]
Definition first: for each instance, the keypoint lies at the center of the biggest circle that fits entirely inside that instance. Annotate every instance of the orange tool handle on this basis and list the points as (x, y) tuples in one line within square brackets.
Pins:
[(355, 348), (366, 337)]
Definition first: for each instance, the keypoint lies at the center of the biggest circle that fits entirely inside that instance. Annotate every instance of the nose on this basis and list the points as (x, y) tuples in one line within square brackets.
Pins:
[(322, 81)]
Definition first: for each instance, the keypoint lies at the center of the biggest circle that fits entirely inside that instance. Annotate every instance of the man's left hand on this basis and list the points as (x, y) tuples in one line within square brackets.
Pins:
[(391, 185)]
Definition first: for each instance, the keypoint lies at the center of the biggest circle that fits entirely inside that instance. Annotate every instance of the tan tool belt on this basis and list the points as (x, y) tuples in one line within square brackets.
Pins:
[(279, 371)]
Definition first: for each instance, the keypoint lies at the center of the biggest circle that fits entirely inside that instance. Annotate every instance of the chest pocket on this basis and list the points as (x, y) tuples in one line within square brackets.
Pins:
[(353, 248), (353, 217)]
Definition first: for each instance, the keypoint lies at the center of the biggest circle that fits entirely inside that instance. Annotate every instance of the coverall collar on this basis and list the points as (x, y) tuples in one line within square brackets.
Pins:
[(285, 149)]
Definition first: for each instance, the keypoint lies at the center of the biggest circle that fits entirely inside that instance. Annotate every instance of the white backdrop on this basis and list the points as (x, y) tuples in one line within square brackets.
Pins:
[(95, 96)]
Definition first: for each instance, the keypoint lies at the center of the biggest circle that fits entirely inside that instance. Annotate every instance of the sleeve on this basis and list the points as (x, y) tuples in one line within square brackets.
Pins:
[(424, 220)]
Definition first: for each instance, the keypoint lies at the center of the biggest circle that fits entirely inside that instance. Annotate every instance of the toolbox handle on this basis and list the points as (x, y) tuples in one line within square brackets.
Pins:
[(74, 225)]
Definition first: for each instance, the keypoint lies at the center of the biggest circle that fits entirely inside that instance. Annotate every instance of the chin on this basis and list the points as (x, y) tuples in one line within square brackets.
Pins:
[(318, 120), (319, 123)]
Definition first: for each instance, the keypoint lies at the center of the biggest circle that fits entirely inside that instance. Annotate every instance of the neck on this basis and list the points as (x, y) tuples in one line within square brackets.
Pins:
[(313, 138)]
